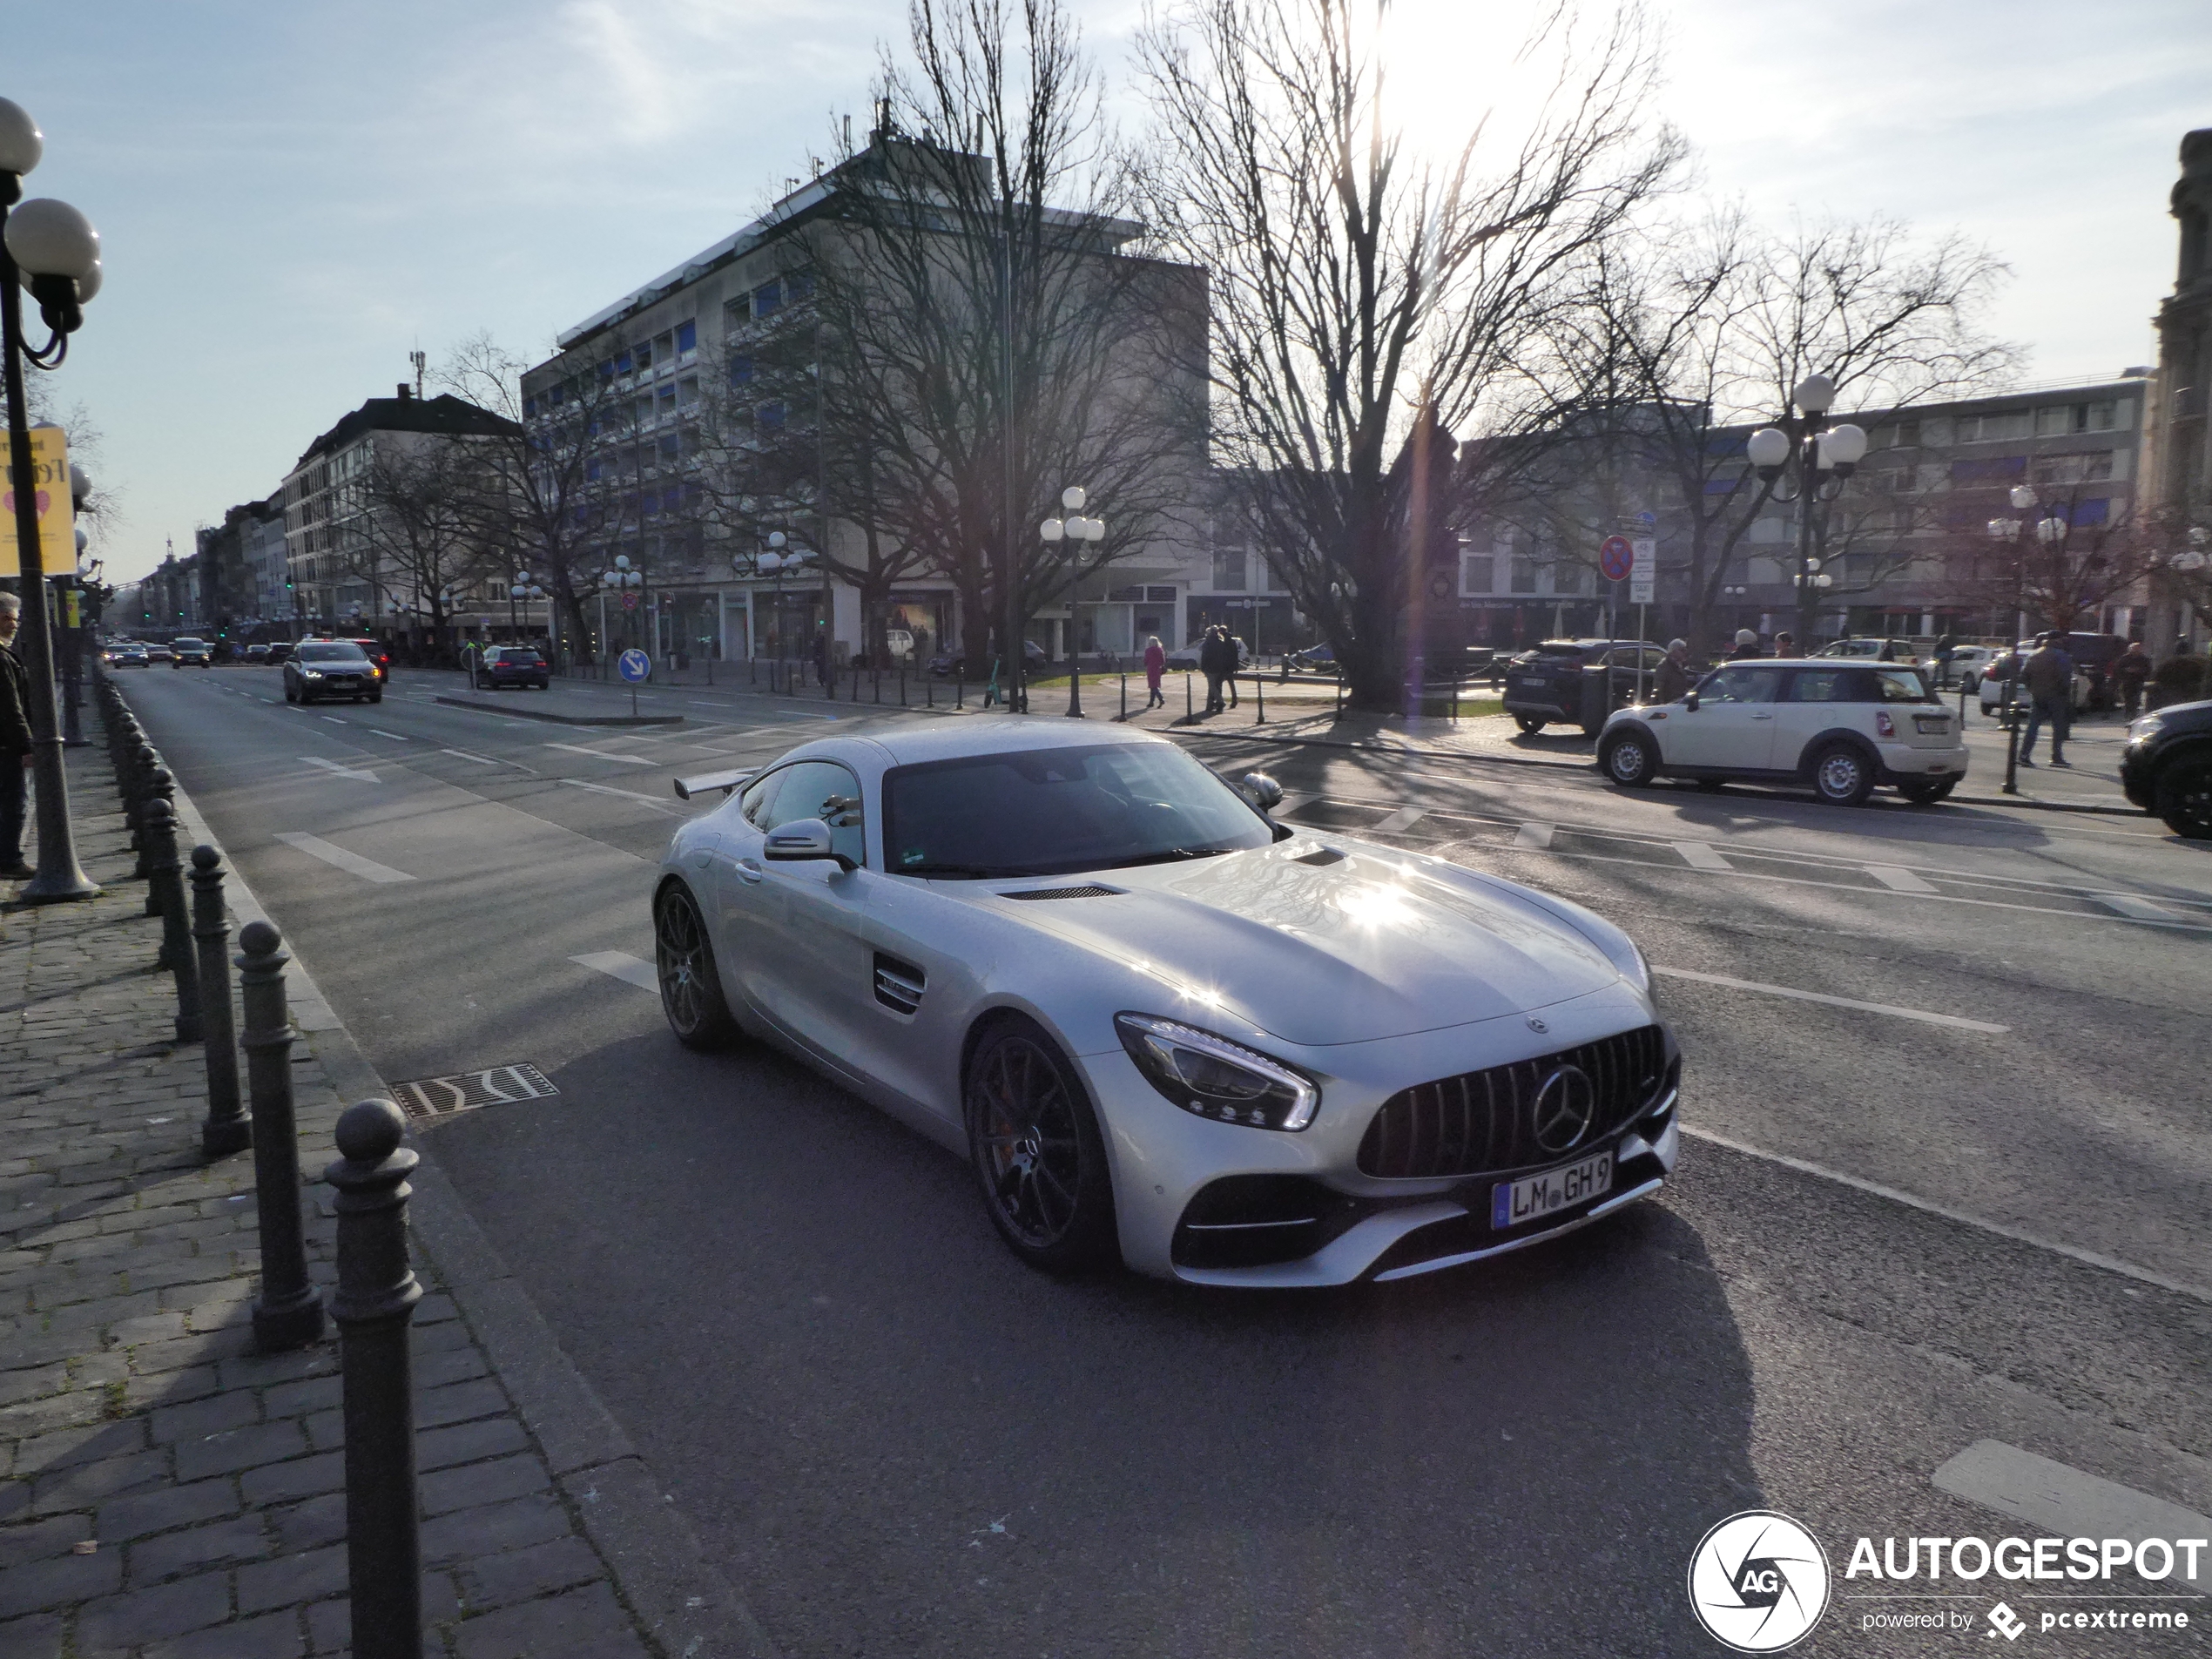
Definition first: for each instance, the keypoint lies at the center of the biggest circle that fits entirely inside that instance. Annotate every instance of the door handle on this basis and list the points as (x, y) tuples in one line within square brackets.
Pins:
[(748, 871), (1762, 717)]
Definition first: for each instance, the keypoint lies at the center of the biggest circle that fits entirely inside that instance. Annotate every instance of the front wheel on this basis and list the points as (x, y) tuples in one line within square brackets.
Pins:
[(1842, 777), (1927, 794), (1628, 760), (1528, 728), (690, 984), (1036, 1150), (2185, 800)]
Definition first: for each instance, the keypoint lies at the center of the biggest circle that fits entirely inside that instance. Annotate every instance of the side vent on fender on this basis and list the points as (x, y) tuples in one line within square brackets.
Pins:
[(898, 985)]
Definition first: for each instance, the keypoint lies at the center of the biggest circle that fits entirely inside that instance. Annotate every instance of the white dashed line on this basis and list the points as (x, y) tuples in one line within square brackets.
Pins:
[(395, 736), (627, 761), (356, 773), (1538, 836), (620, 964), (1897, 880), (2057, 1501), (627, 794), (2138, 909), (334, 720), (353, 863), (482, 761), (1953, 1021), (1699, 856)]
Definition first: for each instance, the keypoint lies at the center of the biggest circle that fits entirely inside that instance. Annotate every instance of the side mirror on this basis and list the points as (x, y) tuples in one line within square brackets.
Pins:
[(1266, 793), (1689, 701), (801, 841)]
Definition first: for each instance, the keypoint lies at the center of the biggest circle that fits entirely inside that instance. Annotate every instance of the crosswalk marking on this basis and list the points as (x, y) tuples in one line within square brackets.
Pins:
[(1897, 880), (357, 774), (1534, 834), (596, 754), (2054, 1498), (1404, 818), (369, 869), (1700, 856), (620, 964), (2140, 909), (652, 802), (1956, 1021)]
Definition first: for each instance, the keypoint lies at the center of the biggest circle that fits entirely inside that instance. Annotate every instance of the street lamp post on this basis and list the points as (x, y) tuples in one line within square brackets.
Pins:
[(1822, 457), (2050, 529), (1075, 530), (521, 589), (624, 581), (53, 248)]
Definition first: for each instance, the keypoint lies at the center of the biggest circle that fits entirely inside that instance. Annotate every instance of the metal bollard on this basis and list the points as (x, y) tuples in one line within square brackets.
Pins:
[(288, 1311), (226, 1128), (1188, 715), (157, 787), (875, 686), (166, 888), (1123, 715), (960, 689), (902, 682), (1259, 691), (377, 1292)]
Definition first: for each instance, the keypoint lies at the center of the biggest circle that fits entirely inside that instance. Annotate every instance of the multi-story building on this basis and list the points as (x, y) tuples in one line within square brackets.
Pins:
[(339, 575)]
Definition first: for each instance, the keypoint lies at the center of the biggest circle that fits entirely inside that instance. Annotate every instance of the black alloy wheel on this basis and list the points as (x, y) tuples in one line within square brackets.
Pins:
[(1037, 1151), (1628, 760), (1841, 776), (2185, 798), (691, 985), (1927, 794)]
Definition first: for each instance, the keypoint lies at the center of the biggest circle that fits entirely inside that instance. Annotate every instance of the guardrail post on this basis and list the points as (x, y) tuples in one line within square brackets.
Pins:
[(226, 1128), (375, 1306), (288, 1311)]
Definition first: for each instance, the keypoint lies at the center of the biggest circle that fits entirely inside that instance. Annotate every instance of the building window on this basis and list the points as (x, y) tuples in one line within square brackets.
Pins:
[(1524, 575), (1229, 569), (740, 370), (687, 337), (770, 415), (1991, 429), (1478, 573), (767, 298), (2003, 469), (2095, 510), (2094, 464)]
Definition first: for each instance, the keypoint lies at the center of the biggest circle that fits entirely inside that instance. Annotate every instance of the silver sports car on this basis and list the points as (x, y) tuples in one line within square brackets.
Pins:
[(1160, 1025)]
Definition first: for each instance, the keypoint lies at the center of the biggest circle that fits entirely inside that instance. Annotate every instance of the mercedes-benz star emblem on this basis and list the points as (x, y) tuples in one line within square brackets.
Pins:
[(1564, 1106), (1535, 1024)]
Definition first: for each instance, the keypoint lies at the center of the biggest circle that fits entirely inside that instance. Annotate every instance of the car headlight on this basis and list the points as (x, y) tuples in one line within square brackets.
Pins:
[(2148, 726), (311, 673), (1210, 1076)]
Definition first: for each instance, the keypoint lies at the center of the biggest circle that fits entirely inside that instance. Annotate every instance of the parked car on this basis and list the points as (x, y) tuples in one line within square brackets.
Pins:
[(1968, 662), (965, 920), (257, 652), (2166, 767), (331, 668), (512, 665), (1576, 682), (281, 651), (1314, 659), (950, 664), (1989, 690), (185, 651), (1845, 728), (1873, 650)]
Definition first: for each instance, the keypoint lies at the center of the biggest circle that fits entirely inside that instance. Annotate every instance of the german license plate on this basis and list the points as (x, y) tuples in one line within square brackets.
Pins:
[(1931, 724), (1514, 1203)]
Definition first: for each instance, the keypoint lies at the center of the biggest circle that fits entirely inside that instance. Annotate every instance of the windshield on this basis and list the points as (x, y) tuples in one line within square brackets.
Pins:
[(1050, 811), (189, 644), (331, 654)]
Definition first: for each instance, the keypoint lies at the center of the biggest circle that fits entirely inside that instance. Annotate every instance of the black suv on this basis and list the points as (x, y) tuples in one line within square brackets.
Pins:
[(512, 665), (1577, 682), (2166, 767)]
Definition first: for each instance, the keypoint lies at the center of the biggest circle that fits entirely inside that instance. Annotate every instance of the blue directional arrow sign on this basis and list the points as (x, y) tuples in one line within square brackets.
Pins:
[(634, 665)]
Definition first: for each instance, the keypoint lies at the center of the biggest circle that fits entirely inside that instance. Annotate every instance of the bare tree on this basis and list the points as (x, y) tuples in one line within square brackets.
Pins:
[(1364, 296), (2071, 571), (410, 523)]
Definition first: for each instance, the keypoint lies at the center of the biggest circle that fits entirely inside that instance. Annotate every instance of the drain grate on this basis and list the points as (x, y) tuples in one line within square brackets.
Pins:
[(441, 1096)]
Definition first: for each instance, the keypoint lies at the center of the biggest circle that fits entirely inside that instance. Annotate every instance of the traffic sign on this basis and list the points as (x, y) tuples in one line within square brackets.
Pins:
[(634, 665), (1616, 558), (1645, 575), (629, 602)]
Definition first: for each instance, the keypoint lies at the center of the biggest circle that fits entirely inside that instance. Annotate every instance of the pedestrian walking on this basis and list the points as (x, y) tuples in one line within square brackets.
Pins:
[(1216, 659), (821, 659), (2130, 672), (1156, 664), (1235, 659), (1673, 678), (2048, 677), (15, 744), (1785, 644), (1747, 645), (1946, 648)]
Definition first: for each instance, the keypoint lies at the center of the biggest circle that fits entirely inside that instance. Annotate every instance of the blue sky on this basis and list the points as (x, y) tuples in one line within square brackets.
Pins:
[(293, 197)]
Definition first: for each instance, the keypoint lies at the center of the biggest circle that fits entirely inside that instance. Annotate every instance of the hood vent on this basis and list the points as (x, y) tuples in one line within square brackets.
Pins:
[(1320, 855), (1090, 892)]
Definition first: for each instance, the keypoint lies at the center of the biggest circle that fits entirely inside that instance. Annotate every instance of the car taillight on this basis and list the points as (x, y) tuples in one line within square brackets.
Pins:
[(1883, 724)]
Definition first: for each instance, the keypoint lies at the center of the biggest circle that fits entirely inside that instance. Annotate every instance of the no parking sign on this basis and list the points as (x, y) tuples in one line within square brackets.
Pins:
[(1617, 558)]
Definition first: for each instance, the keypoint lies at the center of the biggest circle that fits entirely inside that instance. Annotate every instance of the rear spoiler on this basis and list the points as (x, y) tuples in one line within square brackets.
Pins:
[(725, 781)]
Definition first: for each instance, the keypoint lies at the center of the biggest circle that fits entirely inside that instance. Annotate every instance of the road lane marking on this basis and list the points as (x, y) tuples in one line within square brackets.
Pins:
[(1925, 1206), (1534, 836), (628, 760), (334, 720), (1953, 1021), (620, 964), (1404, 818), (654, 802), (2060, 1502), (270, 700), (2138, 909), (482, 761), (395, 736), (353, 863), (1898, 880), (354, 773), (1698, 856)]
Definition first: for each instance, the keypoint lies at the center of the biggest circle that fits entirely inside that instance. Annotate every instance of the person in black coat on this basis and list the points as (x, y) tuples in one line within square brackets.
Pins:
[(15, 744), (1217, 661)]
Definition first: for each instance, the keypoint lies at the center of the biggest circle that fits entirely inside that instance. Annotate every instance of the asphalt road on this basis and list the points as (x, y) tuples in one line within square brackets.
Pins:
[(1945, 1069)]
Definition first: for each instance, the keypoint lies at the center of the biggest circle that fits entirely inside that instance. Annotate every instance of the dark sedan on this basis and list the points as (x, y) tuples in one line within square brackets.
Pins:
[(512, 665), (2166, 767), (332, 668)]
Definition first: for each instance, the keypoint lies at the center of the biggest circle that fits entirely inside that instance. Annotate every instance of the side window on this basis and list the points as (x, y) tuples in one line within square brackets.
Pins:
[(825, 790), (1900, 685), (1741, 686), (1819, 685), (753, 803)]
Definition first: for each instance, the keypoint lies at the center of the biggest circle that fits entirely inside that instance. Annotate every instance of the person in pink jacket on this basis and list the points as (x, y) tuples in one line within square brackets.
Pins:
[(1155, 663)]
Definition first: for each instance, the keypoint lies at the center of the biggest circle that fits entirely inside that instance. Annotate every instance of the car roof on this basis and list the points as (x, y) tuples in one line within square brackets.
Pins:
[(986, 735)]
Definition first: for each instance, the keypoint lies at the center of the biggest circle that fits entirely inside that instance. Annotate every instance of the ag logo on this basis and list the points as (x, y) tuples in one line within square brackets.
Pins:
[(1758, 1582)]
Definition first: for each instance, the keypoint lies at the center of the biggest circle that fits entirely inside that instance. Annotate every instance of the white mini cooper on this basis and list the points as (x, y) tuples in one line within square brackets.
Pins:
[(1843, 727)]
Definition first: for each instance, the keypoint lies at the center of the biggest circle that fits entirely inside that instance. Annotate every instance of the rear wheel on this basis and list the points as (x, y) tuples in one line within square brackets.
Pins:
[(1927, 794), (1529, 727), (1035, 1144), (2185, 798), (1842, 776), (690, 984), (1628, 760)]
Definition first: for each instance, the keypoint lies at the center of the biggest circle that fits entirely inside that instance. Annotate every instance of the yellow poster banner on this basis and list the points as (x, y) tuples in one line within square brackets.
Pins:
[(57, 515)]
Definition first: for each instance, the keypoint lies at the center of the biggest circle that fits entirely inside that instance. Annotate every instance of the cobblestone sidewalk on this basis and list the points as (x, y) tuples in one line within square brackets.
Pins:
[(164, 1489)]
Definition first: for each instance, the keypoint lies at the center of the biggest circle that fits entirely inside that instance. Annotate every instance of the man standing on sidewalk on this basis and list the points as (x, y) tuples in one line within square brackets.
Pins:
[(2048, 677), (15, 744)]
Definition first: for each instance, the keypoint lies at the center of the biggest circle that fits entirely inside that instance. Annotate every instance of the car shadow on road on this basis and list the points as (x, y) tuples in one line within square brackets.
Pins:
[(897, 1438)]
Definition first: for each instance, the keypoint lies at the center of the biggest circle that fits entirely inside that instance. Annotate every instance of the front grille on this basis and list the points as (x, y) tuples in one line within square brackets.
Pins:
[(1485, 1120)]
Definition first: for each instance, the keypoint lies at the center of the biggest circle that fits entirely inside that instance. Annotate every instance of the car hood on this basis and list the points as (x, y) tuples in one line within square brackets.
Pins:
[(1316, 949)]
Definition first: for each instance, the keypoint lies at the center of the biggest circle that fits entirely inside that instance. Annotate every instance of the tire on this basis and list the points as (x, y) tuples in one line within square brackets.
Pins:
[(291, 696), (1529, 728), (1034, 1143), (690, 984), (2185, 798), (1842, 775), (1927, 794), (378, 697), (1628, 760)]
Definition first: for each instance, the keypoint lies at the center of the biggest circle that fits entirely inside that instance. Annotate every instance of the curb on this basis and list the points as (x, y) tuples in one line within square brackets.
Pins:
[(562, 719), (685, 1602), (1246, 735)]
